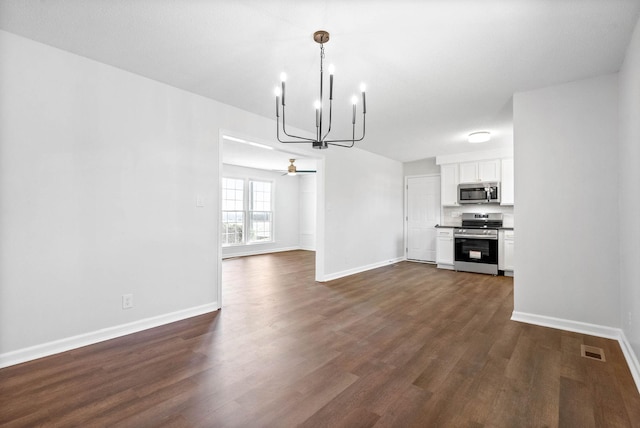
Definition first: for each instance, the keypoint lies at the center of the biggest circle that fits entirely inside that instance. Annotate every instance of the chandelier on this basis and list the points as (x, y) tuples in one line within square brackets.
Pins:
[(322, 129)]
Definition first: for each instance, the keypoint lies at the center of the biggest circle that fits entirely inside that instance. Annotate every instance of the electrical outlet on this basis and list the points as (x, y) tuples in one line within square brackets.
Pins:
[(127, 301)]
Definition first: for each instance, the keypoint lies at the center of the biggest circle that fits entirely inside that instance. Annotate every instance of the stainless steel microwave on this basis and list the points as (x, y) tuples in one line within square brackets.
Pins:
[(479, 193)]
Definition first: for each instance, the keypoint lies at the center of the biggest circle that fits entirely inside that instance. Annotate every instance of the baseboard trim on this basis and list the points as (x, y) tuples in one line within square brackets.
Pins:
[(590, 329), (69, 343), (258, 252), (441, 266), (359, 269), (568, 325), (630, 356)]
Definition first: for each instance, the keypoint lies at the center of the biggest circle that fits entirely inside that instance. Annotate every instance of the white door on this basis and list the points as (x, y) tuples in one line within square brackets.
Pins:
[(423, 213)]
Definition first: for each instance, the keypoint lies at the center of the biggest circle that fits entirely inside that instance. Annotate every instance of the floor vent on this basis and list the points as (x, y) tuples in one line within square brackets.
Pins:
[(592, 352)]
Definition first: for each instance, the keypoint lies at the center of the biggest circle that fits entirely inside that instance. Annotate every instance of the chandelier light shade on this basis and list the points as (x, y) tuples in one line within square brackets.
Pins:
[(479, 137), (323, 127)]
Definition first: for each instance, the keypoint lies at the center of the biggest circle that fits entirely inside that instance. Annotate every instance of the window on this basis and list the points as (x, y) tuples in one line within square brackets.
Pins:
[(232, 211), (236, 218), (260, 215)]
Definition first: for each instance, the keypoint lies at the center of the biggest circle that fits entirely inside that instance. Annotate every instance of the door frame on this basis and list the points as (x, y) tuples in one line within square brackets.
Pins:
[(405, 220), (320, 167)]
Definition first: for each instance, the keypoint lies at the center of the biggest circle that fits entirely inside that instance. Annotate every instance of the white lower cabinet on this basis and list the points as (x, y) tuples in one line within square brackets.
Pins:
[(506, 239), (444, 248)]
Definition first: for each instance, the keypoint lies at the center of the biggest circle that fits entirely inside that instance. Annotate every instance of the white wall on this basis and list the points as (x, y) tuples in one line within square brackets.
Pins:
[(99, 172), (362, 212), (421, 167), (629, 179), (308, 211), (566, 162), (285, 219)]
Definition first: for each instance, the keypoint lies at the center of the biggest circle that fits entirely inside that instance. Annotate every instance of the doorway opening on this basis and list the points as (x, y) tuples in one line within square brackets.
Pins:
[(263, 208)]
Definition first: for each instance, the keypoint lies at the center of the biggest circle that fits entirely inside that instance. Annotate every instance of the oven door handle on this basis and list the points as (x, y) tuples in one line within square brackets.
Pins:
[(492, 238)]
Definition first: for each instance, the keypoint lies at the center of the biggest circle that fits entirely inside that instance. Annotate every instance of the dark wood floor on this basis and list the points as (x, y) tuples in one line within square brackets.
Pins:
[(400, 346)]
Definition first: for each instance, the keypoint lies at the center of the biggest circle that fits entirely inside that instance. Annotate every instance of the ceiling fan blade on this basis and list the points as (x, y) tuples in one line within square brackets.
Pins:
[(308, 170)]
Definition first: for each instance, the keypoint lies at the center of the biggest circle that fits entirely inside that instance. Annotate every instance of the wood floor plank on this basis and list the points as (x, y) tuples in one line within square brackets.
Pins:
[(574, 397), (405, 345)]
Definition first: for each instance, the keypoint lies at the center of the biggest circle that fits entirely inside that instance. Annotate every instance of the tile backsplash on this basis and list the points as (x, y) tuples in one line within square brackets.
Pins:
[(451, 215)]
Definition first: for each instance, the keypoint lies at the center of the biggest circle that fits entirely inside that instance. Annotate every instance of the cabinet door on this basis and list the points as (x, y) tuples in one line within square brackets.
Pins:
[(449, 184), (444, 252), (501, 249), (509, 241), (507, 195), (489, 170), (469, 172)]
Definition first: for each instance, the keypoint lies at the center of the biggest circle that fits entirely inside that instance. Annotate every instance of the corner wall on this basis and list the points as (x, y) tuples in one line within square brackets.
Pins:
[(99, 174), (421, 167), (362, 212), (629, 179), (566, 158)]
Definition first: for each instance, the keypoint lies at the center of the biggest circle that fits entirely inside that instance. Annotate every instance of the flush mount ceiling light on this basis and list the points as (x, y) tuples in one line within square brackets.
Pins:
[(322, 132), (479, 137)]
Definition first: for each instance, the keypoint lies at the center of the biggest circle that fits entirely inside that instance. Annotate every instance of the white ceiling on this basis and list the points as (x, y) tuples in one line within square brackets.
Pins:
[(435, 70)]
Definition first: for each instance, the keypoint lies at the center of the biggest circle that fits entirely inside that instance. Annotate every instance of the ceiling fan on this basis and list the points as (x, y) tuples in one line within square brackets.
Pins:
[(293, 171)]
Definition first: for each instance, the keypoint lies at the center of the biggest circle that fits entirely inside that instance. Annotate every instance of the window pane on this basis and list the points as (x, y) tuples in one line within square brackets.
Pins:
[(260, 196), (232, 214), (232, 194), (260, 216), (232, 227), (260, 226)]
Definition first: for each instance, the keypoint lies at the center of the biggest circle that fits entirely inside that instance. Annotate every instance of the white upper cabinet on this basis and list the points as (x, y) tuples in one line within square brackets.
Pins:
[(507, 185), (472, 172), (469, 172), (489, 170), (449, 184)]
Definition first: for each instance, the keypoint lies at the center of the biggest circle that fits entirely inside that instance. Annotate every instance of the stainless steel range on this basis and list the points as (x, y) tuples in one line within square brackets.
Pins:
[(476, 243)]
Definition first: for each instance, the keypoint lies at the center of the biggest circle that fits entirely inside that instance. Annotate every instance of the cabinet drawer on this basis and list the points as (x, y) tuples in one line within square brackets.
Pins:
[(445, 233)]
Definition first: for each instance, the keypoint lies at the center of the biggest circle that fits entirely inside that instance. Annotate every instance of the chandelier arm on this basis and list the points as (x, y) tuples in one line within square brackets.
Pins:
[(308, 140), (353, 139), (333, 142), (303, 139), (330, 117), (348, 146)]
